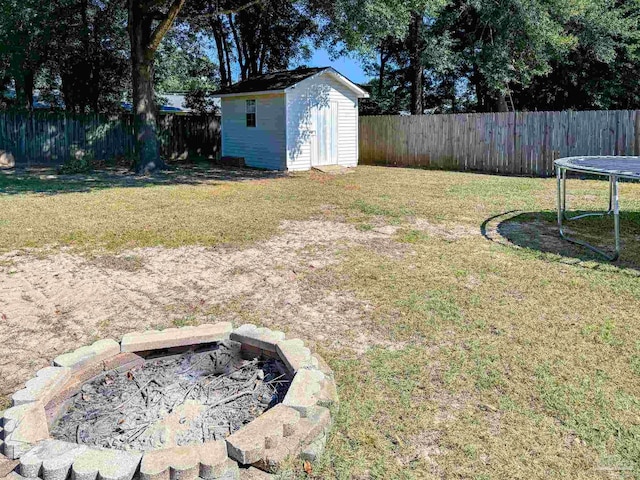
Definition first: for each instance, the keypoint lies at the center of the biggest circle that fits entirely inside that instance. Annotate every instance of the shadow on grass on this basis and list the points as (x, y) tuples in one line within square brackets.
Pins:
[(47, 181), (538, 232)]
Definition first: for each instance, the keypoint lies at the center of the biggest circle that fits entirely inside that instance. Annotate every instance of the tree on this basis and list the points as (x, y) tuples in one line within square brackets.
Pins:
[(25, 29), (256, 37), (148, 23), (88, 59), (600, 73), (182, 66), (472, 55), (363, 26)]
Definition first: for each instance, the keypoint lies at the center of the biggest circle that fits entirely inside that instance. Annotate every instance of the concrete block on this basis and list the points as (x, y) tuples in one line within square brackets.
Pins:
[(123, 362), (97, 464), (50, 459), (79, 376), (7, 465), (14, 476), (231, 471), (261, 338), (328, 395), (322, 365), (97, 352), (177, 463), (175, 337), (295, 355), (55, 412), (248, 444), (307, 430), (314, 450), (24, 426), (304, 390), (214, 462), (208, 461), (43, 386)]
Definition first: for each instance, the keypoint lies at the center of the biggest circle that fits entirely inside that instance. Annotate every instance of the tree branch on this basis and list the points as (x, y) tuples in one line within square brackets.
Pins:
[(230, 10), (165, 24)]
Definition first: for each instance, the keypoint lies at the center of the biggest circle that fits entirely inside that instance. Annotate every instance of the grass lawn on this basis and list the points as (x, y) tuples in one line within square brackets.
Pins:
[(501, 352)]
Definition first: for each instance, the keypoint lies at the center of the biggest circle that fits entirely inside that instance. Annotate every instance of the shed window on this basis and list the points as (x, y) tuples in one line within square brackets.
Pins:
[(251, 113)]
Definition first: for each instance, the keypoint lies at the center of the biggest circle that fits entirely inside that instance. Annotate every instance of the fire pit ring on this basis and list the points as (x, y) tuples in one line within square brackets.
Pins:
[(295, 427)]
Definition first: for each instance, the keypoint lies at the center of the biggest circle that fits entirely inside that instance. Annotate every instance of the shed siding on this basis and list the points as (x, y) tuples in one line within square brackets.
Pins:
[(318, 91), (262, 146)]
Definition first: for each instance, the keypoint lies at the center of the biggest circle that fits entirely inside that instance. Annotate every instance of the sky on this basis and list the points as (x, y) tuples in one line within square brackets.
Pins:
[(348, 67)]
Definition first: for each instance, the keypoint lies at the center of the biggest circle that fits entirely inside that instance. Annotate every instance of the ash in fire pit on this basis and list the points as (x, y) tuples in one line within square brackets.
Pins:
[(184, 399)]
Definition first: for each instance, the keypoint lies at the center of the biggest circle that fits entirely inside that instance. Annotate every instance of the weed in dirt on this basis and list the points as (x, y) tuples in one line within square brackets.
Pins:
[(188, 321)]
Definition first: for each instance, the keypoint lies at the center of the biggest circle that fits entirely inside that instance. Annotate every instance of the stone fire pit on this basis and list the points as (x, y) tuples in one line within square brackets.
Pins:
[(172, 405)]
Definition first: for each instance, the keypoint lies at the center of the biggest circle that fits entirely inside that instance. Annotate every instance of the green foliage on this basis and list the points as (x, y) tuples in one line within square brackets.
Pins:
[(73, 51), (258, 37), (475, 53), (183, 66), (79, 161)]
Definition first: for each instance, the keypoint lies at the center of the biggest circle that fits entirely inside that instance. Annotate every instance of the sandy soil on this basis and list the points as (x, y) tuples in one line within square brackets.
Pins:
[(54, 303)]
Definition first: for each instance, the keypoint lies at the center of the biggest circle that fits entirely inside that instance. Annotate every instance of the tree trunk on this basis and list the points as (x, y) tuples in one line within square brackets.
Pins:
[(383, 61), (239, 48), (481, 91), (28, 85), (145, 40), (227, 56), (144, 108), (500, 102), (218, 33), (145, 118), (416, 65)]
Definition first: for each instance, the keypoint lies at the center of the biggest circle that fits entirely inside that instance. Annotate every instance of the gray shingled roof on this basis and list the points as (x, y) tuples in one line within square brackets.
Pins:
[(271, 81)]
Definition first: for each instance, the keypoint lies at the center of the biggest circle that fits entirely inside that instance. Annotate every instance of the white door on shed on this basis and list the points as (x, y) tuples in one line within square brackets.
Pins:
[(324, 144)]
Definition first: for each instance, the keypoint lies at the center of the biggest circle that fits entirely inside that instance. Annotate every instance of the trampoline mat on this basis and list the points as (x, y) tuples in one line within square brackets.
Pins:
[(620, 166)]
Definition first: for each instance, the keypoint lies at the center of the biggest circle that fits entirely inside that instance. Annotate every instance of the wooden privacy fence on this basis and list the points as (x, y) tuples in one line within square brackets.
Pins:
[(522, 143), (46, 138)]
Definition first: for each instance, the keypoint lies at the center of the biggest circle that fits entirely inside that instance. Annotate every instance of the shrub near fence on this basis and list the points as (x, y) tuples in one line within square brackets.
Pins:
[(48, 138), (522, 143)]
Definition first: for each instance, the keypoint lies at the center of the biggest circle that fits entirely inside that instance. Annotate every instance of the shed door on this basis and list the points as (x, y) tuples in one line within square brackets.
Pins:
[(324, 145)]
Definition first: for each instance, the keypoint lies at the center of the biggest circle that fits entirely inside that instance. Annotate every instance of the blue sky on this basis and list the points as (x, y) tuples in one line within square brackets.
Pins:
[(349, 67)]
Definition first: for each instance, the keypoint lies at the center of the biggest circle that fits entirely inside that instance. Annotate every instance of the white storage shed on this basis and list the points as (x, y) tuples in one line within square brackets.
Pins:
[(292, 120)]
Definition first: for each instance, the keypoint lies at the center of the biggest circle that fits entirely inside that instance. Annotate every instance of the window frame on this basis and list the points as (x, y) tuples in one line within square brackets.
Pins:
[(247, 113)]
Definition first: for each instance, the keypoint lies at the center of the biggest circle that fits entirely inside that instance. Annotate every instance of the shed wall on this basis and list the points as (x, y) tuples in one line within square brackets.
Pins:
[(312, 92), (262, 146)]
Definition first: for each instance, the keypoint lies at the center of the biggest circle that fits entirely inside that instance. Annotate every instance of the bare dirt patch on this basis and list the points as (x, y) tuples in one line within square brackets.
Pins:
[(54, 303)]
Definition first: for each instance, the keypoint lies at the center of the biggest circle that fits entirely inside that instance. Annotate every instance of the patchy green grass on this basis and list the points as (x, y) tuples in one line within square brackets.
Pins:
[(511, 354)]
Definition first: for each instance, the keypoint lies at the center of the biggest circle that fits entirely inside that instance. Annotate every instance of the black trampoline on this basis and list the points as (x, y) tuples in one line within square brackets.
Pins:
[(612, 167)]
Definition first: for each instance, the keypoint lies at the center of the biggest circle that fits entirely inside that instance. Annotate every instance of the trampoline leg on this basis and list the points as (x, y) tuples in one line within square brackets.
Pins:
[(561, 177), (616, 215), (612, 180), (564, 191), (560, 202)]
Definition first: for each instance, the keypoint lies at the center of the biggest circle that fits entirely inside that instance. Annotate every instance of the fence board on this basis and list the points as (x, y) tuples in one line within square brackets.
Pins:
[(521, 143), (47, 138)]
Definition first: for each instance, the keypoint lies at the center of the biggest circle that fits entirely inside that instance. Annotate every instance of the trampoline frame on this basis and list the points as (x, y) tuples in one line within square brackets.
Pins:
[(562, 166)]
